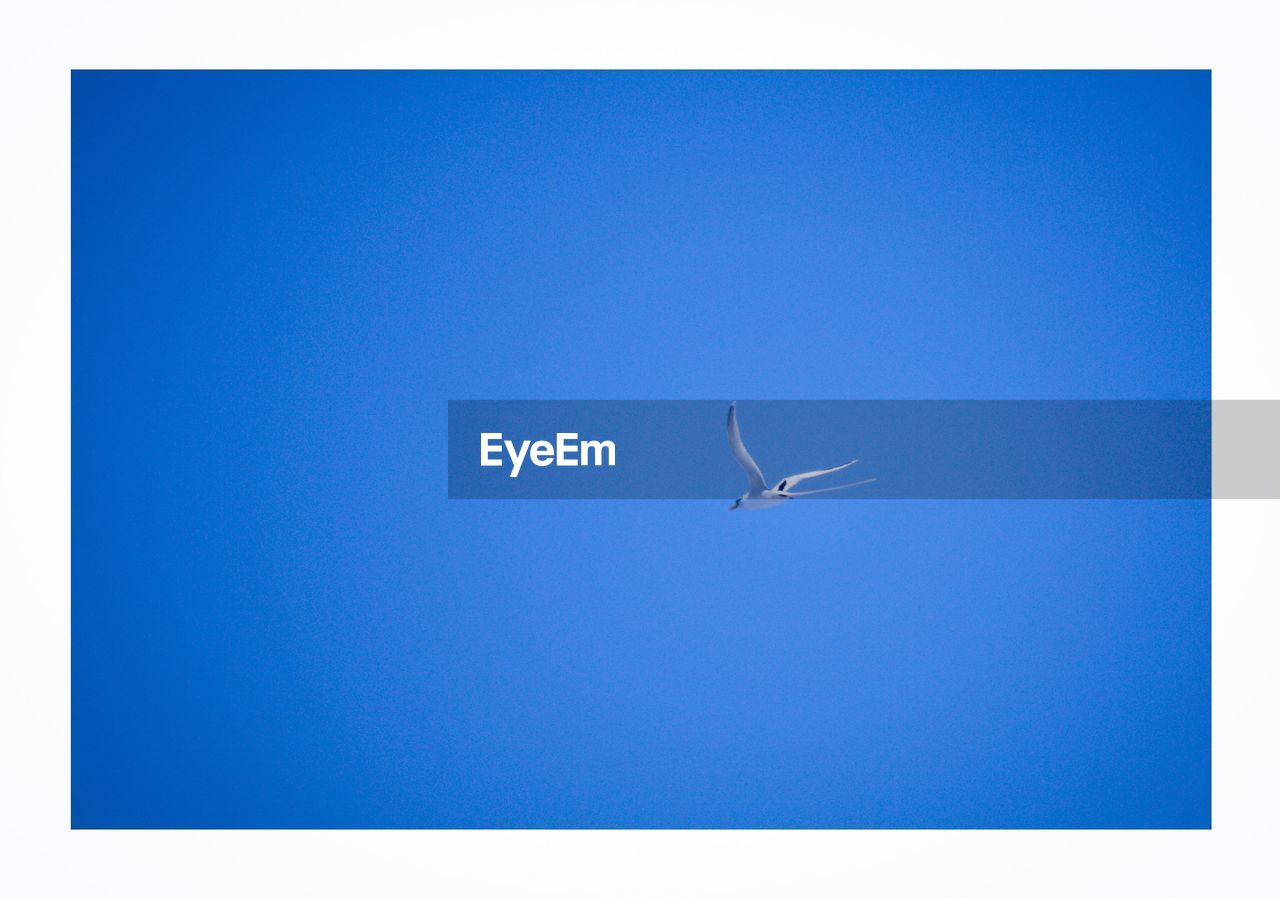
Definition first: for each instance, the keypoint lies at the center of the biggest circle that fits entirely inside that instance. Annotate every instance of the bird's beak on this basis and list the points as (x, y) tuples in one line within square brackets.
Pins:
[(733, 507)]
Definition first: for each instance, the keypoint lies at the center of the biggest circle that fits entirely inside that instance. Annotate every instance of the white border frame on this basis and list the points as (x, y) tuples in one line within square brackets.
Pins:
[(41, 44)]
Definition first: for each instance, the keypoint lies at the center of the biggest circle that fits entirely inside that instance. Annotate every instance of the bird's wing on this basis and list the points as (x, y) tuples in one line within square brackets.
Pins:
[(754, 477), (791, 481), (831, 489)]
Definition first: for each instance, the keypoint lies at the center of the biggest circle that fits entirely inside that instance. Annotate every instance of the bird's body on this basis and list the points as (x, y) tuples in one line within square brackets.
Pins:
[(760, 496), (767, 499)]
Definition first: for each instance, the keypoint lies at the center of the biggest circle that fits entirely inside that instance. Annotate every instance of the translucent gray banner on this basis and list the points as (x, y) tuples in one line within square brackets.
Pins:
[(914, 449)]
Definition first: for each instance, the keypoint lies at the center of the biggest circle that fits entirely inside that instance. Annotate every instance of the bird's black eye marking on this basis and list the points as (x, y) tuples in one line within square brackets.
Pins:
[(783, 485)]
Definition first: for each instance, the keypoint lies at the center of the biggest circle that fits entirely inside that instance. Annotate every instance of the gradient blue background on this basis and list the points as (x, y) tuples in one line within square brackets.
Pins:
[(280, 620)]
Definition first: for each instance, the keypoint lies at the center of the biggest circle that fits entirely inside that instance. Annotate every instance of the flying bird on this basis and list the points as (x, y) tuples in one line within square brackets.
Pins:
[(759, 495)]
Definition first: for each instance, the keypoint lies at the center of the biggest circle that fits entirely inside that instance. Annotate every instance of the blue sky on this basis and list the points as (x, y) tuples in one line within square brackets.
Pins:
[(279, 619)]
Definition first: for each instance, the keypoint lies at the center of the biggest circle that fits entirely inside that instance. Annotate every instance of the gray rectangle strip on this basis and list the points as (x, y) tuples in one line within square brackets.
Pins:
[(1246, 449)]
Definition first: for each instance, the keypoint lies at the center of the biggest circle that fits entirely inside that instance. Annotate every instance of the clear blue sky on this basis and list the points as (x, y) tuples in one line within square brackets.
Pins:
[(279, 619)]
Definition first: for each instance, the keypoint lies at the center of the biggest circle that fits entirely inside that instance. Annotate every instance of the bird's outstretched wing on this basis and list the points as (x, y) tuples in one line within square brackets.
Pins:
[(830, 489), (786, 482), (754, 477)]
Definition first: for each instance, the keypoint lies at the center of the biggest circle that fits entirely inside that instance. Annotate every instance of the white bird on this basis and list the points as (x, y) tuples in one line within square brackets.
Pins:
[(760, 496)]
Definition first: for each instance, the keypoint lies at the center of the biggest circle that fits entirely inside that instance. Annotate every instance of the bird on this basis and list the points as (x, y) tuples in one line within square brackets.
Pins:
[(759, 496)]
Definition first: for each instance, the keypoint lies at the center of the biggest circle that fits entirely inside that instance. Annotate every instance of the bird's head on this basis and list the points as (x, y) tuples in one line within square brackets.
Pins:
[(737, 503)]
